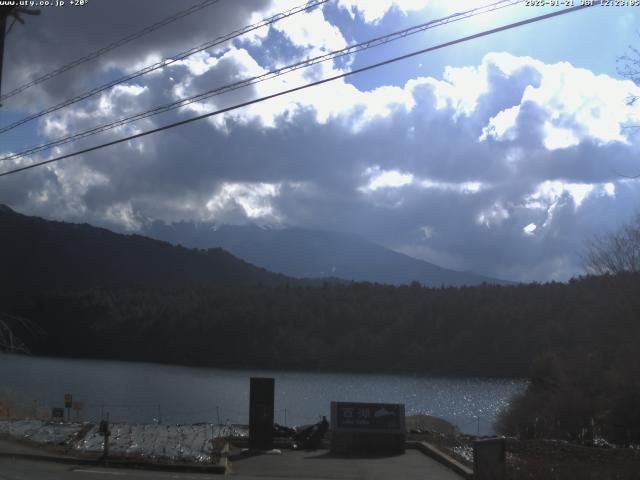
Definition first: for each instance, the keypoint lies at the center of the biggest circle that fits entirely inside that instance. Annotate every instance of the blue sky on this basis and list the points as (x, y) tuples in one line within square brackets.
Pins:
[(502, 155), (592, 39)]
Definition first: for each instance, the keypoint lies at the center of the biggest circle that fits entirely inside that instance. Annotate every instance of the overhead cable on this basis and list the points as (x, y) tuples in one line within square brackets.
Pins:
[(303, 87), (108, 48), (166, 62), (375, 42)]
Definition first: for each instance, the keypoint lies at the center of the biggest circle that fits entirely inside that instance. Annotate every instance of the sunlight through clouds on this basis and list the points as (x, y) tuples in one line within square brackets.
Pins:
[(530, 229), (374, 11), (490, 141), (386, 179), (253, 199)]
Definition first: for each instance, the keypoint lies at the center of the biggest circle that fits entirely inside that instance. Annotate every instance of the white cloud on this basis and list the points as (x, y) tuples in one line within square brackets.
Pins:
[(608, 189), (530, 229), (427, 231), (549, 192), (254, 200), (374, 10), (201, 62), (312, 31), (556, 137), (123, 214), (464, 188), (493, 216), (474, 154), (386, 179), (501, 126), (330, 101), (576, 105)]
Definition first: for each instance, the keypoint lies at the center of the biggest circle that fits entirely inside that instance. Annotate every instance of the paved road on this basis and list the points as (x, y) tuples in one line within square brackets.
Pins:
[(11, 469), (8, 446), (320, 465), (317, 465)]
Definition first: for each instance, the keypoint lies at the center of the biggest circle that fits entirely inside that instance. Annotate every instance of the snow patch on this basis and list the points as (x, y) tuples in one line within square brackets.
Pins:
[(175, 443)]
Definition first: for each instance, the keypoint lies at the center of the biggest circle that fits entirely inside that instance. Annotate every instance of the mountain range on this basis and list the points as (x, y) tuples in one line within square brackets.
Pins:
[(302, 253), (39, 253)]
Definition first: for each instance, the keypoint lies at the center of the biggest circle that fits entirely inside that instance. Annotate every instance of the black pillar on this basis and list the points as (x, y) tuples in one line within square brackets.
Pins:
[(261, 401)]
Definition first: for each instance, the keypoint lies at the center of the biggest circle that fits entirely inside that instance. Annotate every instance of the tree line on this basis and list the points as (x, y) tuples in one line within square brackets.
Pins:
[(577, 341)]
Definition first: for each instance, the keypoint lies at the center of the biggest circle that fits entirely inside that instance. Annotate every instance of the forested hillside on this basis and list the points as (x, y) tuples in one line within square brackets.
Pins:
[(78, 291), (38, 253), (485, 330)]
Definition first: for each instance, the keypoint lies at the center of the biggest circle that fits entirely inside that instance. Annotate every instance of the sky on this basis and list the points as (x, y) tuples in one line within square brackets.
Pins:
[(503, 155)]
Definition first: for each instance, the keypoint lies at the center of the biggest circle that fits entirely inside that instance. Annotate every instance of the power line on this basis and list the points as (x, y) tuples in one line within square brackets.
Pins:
[(166, 62), (266, 76), (111, 46), (308, 85)]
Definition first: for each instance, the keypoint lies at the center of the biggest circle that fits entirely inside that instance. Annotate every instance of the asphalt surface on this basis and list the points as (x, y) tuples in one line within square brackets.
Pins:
[(37, 463), (7, 446), (321, 465), (12, 469), (316, 465)]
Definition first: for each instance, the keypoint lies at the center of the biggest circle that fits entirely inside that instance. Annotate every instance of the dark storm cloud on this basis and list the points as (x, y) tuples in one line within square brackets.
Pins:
[(63, 34)]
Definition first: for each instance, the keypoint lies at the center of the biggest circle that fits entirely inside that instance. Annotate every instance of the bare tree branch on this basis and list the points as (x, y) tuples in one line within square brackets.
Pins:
[(9, 341), (616, 252)]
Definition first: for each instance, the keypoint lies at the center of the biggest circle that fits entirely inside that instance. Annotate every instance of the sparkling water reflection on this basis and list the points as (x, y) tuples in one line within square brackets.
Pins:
[(141, 392)]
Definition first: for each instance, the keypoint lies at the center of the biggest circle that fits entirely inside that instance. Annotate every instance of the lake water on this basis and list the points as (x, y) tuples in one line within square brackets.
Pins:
[(142, 392)]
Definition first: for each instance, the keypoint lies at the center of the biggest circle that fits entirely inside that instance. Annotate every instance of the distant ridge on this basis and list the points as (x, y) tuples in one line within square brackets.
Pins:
[(315, 254), (39, 253)]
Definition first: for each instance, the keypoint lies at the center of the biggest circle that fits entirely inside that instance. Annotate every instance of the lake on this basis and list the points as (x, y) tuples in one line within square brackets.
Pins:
[(142, 392)]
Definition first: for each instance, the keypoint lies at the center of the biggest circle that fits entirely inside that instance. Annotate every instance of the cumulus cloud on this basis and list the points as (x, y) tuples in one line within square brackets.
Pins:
[(253, 199), (71, 33), (575, 104), (504, 167), (373, 12), (312, 31)]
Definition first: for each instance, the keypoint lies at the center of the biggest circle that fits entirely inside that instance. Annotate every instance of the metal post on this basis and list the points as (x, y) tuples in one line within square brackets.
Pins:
[(107, 434), (218, 414), (3, 28)]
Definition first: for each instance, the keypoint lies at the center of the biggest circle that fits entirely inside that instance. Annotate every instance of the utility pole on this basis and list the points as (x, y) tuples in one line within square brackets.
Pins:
[(6, 12)]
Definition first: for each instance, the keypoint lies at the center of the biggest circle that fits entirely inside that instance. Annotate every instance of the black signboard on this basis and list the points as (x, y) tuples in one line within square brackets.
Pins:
[(367, 427), (376, 416), (261, 400), (57, 412)]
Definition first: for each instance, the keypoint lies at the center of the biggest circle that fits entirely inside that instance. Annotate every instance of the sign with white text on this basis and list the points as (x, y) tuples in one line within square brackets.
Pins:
[(379, 416), (367, 427)]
